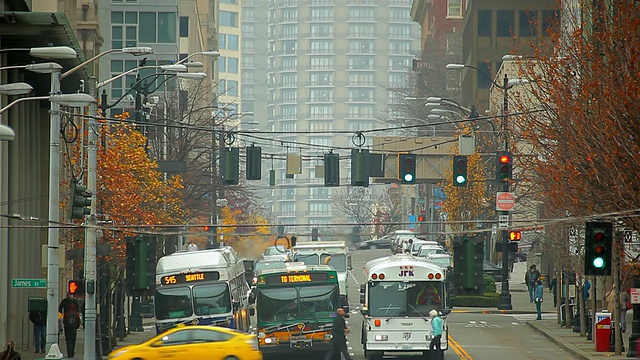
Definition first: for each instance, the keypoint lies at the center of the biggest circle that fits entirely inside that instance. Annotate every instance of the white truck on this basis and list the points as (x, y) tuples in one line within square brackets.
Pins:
[(332, 253)]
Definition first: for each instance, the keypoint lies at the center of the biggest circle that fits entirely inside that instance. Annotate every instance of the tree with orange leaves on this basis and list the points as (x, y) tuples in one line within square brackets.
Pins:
[(130, 189)]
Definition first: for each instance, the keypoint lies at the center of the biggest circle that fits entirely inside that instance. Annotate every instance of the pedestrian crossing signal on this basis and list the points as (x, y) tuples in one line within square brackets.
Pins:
[(75, 287)]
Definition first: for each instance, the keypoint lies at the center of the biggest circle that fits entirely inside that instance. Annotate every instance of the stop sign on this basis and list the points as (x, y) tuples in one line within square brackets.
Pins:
[(505, 201)]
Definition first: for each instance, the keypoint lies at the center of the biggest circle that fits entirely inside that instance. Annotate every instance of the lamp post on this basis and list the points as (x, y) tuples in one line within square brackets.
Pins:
[(504, 300)]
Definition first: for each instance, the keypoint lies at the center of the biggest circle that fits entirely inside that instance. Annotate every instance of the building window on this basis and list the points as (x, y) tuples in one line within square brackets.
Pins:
[(505, 23), (454, 9), (289, 64), (361, 79), (248, 45), (289, 15), (232, 65), (167, 27), (321, 46), (399, 47), (398, 63), (248, 76), (362, 30), (232, 87), (321, 141), (360, 111), (290, 31), (360, 126), (289, 80), (184, 26), (248, 91), (320, 111), (232, 43), (320, 126), (319, 209), (361, 95), (549, 22), (361, 46), (289, 47), (321, 63), (527, 23), (321, 78), (399, 15), (484, 22), (397, 80), (400, 31), (288, 95), (320, 95), (228, 18), (288, 126), (361, 63), (288, 209), (321, 30), (321, 14), (289, 112), (362, 14), (248, 60), (484, 82)]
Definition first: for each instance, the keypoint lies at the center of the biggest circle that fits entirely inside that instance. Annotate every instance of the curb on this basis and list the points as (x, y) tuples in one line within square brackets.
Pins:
[(496, 311), (572, 351)]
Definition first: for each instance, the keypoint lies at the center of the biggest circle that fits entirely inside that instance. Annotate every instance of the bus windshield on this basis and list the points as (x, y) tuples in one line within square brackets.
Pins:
[(318, 301), (308, 259), (211, 299), (277, 304), (398, 298), (173, 303)]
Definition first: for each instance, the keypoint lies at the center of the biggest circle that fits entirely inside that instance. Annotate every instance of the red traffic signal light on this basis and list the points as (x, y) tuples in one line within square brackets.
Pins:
[(504, 166), (75, 287), (421, 218), (207, 228), (515, 235)]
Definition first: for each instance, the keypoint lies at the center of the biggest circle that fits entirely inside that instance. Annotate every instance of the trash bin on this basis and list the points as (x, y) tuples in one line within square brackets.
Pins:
[(603, 331)]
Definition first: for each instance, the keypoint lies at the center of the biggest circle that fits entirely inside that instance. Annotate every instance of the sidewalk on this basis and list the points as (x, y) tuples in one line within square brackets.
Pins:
[(132, 338), (578, 346)]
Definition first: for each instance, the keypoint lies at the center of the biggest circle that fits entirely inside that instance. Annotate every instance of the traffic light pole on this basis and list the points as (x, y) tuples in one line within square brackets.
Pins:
[(504, 300), (90, 268)]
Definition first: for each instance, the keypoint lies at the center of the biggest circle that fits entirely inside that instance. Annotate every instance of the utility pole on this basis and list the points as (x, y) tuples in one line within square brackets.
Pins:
[(213, 233), (53, 240), (90, 267), (504, 300)]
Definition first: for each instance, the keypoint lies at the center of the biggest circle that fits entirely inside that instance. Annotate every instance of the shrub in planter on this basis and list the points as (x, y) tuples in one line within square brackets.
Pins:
[(489, 284), (487, 300)]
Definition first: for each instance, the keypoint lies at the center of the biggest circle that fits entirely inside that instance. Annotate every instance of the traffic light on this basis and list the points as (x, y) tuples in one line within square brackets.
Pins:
[(504, 166), (460, 170), (141, 265), (407, 168), (331, 170), (598, 248), (254, 163), (80, 199), (314, 234), (230, 166), (75, 287), (359, 167), (515, 235), (422, 218)]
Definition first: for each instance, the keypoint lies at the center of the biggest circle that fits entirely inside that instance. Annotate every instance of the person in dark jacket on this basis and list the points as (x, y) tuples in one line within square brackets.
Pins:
[(39, 320), (10, 353), (70, 310), (339, 337)]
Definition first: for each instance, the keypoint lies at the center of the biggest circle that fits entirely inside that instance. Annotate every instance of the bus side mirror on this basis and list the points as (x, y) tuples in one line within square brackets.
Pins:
[(445, 312), (364, 312)]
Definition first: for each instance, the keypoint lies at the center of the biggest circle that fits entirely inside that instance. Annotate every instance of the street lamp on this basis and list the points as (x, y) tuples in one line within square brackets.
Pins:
[(136, 51), (212, 53), (504, 300)]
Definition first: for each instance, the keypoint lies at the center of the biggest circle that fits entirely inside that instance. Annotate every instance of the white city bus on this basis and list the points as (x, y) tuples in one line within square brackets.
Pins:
[(399, 292), (332, 253), (204, 287)]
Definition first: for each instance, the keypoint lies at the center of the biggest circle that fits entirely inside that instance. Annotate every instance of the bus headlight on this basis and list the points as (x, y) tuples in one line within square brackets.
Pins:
[(381, 337), (270, 340), (327, 337)]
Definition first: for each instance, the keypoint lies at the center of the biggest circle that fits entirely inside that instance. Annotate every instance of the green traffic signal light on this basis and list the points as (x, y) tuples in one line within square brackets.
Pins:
[(598, 248), (407, 168), (598, 262), (460, 170)]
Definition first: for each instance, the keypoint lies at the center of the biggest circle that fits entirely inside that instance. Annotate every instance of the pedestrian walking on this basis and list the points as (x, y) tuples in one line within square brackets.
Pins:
[(9, 353), (530, 279), (70, 310), (553, 286), (339, 337), (192, 246), (538, 294), (435, 349), (39, 320), (625, 305)]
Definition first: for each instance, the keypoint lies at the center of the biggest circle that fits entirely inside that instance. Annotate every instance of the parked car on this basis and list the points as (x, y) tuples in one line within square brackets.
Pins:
[(194, 342), (427, 250), (417, 244), (383, 242), (398, 237), (442, 260)]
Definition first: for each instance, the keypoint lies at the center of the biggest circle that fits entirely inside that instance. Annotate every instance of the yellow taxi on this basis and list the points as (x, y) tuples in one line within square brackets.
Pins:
[(194, 342)]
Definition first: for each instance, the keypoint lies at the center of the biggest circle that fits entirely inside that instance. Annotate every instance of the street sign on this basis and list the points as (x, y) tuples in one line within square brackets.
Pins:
[(412, 222), (503, 221), (29, 283), (505, 201), (635, 295)]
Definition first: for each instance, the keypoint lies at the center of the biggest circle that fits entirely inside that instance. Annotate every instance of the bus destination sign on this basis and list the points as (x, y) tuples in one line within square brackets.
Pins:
[(295, 278), (190, 278)]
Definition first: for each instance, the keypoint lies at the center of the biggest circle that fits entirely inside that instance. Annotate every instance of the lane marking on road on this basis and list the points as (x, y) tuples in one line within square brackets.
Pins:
[(459, 350)]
